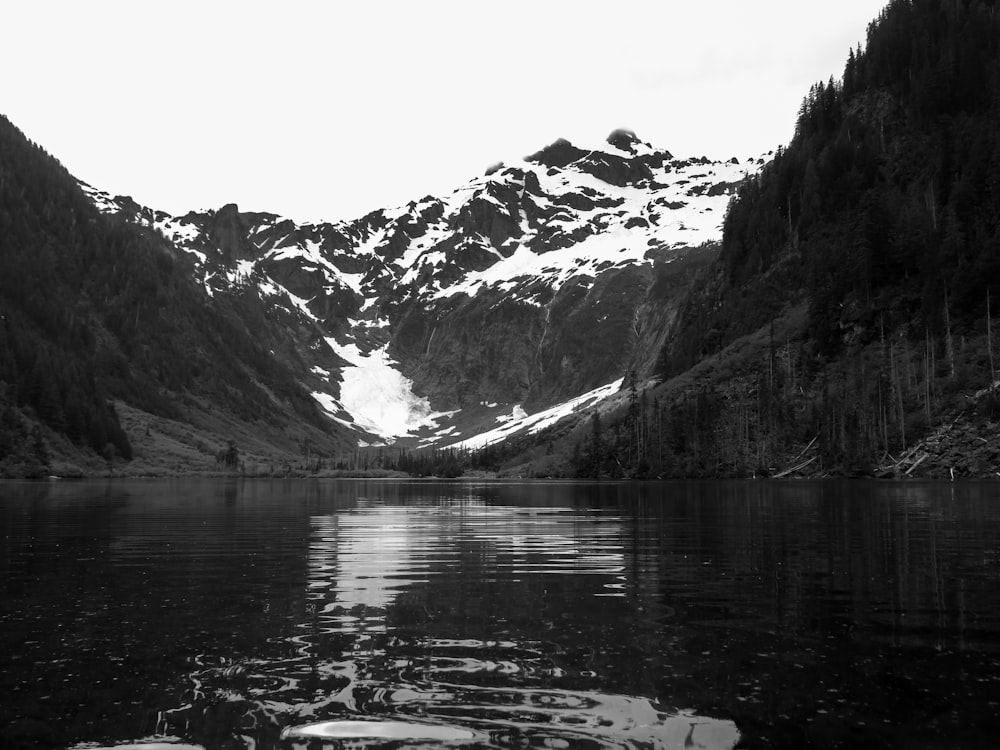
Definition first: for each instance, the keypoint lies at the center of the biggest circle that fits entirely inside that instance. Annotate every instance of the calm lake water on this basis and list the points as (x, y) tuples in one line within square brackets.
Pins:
[(323, 614)]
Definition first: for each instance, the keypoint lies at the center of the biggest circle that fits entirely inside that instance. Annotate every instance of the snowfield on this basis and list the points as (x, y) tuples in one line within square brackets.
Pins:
[(379, 398)]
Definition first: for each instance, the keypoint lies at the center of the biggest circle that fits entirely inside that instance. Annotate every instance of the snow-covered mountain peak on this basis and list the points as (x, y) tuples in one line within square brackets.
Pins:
[(627, 141), (620, 144)]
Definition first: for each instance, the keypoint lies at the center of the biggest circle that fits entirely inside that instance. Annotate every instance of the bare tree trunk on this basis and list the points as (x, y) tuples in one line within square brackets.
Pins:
[(949, 344), (898, 387), (989, 338), (927, 375), (931, 205)]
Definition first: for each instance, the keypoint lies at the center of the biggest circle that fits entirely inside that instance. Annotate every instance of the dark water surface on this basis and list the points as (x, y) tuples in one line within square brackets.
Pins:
[(324, 614)]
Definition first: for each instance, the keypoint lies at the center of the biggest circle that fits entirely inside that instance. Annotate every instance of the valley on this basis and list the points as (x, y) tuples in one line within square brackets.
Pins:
[(599, 310), (448, 318)]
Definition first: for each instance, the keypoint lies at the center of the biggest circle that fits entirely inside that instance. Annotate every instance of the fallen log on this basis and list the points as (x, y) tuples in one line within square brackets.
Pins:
[(917, 463), (801, 466)]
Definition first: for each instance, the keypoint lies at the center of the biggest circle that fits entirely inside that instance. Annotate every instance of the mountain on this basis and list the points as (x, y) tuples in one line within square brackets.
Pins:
[(437, 322), (846, 324)]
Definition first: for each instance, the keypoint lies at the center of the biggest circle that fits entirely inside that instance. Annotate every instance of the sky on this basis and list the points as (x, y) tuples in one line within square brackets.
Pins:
[(328, 110)]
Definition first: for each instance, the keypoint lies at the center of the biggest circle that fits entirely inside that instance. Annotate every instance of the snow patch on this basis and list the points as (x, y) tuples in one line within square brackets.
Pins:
[(540, 420), (379, 398), (244, 269), (331, 408), (301, 304), (516, 413), (180, 233), (101, 200)]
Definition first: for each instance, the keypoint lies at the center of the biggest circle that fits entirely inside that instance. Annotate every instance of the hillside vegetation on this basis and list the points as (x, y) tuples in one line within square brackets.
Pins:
[(849, 313), (93, 309)]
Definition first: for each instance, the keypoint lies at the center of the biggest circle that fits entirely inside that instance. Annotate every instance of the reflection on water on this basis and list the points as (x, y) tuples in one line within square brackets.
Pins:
[(361, 561), (439, 616), (379, 614)]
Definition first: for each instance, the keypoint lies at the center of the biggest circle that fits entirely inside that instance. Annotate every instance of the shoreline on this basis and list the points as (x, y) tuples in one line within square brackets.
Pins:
[(493, 477)]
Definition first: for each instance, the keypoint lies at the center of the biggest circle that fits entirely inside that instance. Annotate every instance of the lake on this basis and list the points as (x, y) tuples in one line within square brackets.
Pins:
[(256, 614)]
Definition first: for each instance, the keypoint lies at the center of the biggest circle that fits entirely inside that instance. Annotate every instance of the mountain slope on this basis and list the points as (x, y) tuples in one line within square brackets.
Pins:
[(433, 322), (95, 309)]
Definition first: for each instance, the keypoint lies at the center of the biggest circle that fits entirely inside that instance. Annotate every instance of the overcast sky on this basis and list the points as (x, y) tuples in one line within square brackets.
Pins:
[(326, 110)]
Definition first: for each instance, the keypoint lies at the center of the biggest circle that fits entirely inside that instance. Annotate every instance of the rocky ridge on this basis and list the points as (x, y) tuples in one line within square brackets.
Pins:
[(440, 319)]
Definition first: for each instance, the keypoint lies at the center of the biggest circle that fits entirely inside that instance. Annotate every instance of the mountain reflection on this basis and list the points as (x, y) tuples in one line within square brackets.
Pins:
[(451, 614), (361, 561)]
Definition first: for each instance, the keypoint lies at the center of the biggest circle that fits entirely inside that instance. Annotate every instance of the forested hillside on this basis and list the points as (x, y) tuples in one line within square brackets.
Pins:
[(849, 310), (94, 309), (890, 186)]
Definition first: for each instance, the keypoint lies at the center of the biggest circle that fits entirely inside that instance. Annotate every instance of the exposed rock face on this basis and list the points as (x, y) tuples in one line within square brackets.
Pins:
[(227, 232), (656, 313), (624, 140), (558, 154), (521, 288), (471, 350)]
